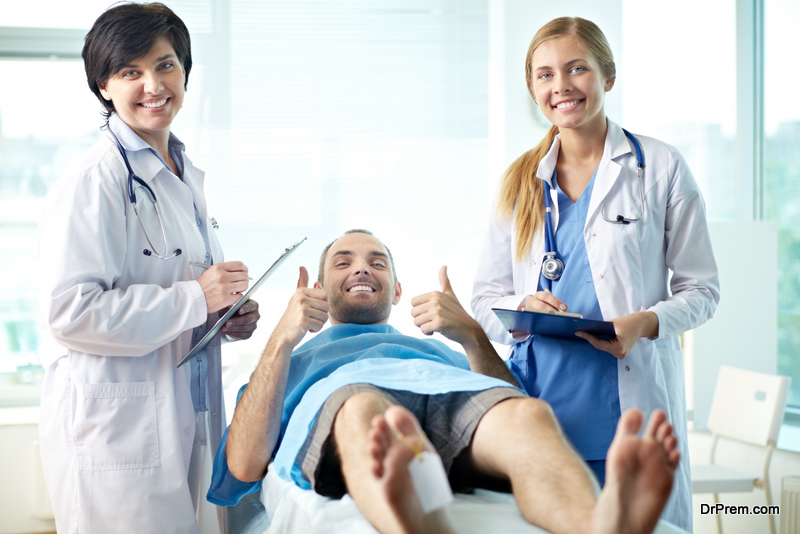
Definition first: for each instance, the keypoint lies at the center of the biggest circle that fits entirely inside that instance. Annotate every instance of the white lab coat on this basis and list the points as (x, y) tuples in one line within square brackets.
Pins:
[(630, 266), (117, 421)]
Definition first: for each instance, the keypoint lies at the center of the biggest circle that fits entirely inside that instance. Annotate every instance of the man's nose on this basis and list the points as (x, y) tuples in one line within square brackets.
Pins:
[(362, 268)]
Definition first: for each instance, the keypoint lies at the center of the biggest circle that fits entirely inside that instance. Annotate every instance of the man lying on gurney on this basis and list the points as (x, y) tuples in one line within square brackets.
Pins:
[(366, 410)]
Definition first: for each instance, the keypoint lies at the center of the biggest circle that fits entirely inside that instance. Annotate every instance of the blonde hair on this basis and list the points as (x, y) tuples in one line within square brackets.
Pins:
[(520, 187)]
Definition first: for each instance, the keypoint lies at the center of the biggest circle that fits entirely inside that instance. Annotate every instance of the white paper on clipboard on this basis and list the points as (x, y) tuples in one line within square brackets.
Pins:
[(222, 320)]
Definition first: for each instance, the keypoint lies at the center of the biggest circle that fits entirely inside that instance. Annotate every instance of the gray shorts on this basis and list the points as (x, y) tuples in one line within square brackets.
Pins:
[(448, 419)]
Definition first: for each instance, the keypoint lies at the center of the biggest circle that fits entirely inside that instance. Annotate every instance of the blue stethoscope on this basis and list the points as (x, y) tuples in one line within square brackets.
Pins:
[(152, 196), (552, 266)]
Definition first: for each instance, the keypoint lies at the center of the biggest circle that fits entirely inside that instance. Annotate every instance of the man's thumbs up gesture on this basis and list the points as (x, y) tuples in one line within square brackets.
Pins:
[(307, 312), (440, 311)]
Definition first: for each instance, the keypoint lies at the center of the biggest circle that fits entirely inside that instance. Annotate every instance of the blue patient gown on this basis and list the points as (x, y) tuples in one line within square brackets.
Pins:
[(341, 355), (579, 381)]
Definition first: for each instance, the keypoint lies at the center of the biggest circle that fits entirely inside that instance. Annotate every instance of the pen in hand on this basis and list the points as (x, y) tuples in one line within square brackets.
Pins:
[(206, 266)]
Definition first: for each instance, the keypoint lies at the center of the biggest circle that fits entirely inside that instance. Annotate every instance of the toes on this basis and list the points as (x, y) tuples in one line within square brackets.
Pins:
[(380, 431), (396, 423), (630, 422), (657, 419), (670, 448), (380, 436), (674, 458), (664, 431), (405, 424), (664, 434)]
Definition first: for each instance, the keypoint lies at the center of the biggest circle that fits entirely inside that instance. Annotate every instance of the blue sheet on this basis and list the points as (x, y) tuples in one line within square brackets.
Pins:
[(342, 355)]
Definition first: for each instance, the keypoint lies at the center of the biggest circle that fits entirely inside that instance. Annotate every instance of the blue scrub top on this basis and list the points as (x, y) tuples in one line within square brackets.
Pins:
[(577, 380)]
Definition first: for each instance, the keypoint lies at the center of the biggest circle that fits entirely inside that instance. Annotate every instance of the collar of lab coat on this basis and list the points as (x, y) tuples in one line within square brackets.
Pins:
[(616, 146), (138, 150), (608, 172)]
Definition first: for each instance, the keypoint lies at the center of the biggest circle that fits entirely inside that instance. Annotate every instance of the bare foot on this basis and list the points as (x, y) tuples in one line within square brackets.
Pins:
[(390, 458), (639, 475)]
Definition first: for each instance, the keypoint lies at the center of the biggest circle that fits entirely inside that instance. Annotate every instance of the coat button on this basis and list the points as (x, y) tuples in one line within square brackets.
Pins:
[(601, 277), (594, 234), (187, 430)]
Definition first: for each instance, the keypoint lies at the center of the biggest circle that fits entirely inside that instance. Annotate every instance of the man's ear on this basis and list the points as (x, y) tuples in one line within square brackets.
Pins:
[(398, 292), (317, 285)]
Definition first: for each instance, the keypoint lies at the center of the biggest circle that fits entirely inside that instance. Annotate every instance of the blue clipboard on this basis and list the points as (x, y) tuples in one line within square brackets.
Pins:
[(222, 320), (545, 324)]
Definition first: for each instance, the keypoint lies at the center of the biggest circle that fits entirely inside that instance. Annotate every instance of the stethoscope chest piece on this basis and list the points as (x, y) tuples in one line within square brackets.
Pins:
[(552, 267)]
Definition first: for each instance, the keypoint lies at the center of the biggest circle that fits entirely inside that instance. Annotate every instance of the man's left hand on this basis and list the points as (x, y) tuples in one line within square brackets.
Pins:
[(243, 323), (440, 311)]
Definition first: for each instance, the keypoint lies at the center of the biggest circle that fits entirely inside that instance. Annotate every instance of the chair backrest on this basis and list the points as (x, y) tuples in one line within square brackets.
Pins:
[(748, 406)]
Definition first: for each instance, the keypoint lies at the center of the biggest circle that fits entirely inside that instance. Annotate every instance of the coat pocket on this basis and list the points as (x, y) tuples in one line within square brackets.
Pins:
[(115, 426)]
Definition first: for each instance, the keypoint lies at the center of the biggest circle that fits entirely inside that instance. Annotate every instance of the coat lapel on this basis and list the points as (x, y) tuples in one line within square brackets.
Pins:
[(545, 173), (609, 170)]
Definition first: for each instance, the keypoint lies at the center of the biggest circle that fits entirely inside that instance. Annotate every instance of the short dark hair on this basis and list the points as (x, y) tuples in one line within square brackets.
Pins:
[(353, 231), (125, 32)]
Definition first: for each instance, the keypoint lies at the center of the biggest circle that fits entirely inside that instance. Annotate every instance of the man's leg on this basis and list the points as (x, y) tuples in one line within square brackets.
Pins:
[(374, 464), (519, 439)]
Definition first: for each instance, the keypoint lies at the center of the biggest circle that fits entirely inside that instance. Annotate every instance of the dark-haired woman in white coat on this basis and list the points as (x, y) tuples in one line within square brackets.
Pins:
[(126, 437)]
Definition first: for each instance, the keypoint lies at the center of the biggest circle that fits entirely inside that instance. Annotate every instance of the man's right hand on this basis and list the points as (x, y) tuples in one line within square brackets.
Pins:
[(307, 312)]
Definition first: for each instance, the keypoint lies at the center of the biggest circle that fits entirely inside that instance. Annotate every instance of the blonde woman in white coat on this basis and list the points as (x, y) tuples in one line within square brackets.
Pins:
[(618, 247), (126, 437)]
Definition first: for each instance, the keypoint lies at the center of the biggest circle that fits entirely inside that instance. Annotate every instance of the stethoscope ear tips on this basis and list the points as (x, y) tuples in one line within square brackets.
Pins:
[(148, 252)]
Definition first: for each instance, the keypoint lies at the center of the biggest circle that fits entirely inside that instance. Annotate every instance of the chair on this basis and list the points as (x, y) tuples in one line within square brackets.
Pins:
[(747, 407)]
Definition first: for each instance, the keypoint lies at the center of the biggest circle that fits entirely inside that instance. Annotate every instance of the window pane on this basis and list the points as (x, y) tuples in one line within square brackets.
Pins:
[(782, 175), (41, 132), (667, 90)]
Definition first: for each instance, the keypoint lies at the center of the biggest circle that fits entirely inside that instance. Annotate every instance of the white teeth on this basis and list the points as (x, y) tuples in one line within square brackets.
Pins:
[(154, 104), (567, 105), (360, 288)]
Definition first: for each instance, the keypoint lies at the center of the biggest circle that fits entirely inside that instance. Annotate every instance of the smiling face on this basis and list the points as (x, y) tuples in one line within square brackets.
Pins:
[(148, 92), (568, 84), (359, 281)]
